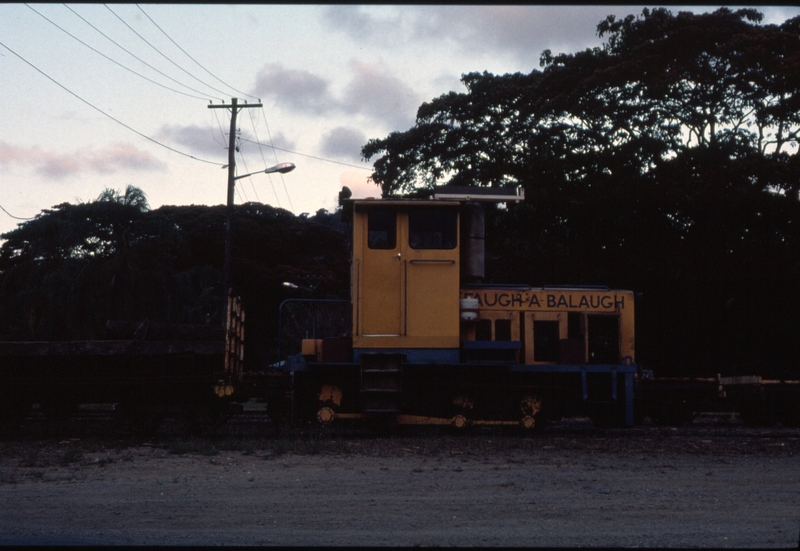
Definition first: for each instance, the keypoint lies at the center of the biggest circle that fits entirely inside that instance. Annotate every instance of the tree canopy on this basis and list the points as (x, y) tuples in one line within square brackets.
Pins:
[(75, 266), (663, 161), (660, 86)]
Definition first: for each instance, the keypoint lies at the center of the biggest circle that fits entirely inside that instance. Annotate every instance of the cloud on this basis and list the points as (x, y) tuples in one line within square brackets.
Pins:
[(294, 89), (58, 166), (364, 25), (522, 31), (279, 140), (776, 15), (360, 184), (258, 148), (199, 139), (121, 156), (117, 156), (344, 142), (375, 92), (213, 142), (518, 30), (372, 92)]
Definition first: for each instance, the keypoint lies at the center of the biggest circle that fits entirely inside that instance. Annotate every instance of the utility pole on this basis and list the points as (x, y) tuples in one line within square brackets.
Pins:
[(226, 268)]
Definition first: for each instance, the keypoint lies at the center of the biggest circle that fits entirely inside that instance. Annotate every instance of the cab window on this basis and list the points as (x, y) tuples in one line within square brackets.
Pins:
[(433, 228), (382, 229)]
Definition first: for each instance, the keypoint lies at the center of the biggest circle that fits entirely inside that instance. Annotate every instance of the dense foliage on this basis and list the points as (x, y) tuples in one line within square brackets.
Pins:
[(75, 266), (664, 161)]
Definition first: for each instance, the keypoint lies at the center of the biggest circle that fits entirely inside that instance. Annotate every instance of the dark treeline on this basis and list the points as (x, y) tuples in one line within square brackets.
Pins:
[(75, 266), (663, 162)]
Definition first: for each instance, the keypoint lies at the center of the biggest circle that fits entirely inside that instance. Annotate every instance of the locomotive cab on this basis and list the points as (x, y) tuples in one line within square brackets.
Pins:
[(405, 279)]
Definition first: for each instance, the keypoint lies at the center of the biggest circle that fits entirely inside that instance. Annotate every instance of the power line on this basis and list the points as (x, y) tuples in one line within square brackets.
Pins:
[(111, 60), (255, 132), (12, 216), (309, 156), (130, 53), (221, 131), (269, 135), (160, 53), (190, 57), (103, 112), (246, 170)]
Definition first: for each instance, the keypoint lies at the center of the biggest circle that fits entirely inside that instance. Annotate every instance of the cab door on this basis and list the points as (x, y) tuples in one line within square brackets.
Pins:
[(405, 276), (378, 271), (431, 274)]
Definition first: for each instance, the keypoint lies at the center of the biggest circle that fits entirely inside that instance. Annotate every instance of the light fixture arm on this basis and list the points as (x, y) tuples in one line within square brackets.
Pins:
[(283, 168)]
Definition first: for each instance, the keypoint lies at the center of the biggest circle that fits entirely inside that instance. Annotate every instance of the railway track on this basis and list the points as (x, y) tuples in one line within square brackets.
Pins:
[(102, 421)]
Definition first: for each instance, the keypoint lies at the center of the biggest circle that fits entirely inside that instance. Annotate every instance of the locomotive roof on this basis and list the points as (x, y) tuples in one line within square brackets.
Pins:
[(443, 195)]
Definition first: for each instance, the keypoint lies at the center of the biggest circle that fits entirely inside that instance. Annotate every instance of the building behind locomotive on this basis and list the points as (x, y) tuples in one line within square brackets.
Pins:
[(425, 328)]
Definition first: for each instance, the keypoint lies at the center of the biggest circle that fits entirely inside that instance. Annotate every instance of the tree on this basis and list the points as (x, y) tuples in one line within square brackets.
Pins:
[(73, 267), (661, 161), (132, 196)]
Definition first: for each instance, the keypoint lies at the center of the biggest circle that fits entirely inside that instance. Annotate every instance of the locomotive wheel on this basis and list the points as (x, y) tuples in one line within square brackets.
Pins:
[(460, 422), (326, 415), (329, 401), (528, 422), (533, 420), (463, 413)]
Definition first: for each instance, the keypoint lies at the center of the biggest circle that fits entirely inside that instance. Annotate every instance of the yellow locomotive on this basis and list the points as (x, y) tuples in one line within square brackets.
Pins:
[(432, 344)]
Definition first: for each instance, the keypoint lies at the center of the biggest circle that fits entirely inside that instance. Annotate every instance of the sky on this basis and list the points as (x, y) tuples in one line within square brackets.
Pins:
[(99, 96)]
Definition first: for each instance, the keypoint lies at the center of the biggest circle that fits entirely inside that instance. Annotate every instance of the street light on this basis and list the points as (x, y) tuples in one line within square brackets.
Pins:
[(282, 168)]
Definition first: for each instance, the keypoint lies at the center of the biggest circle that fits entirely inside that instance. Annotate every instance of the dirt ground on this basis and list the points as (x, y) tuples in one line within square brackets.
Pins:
[(573, 485)]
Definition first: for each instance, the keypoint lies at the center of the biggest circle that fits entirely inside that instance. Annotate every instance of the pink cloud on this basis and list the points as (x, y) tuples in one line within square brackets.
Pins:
[(117, 156)]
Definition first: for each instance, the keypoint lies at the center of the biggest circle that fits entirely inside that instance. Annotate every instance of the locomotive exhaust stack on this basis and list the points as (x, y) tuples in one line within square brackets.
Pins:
[(473, 252)]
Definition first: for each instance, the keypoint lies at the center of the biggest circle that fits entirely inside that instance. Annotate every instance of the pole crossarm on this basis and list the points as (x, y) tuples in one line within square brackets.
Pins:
[(234, 107), (231, 105)]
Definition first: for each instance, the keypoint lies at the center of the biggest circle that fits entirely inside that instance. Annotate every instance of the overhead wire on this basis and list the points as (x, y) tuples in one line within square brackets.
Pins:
[(256, 141), (112, 60), (243, 192), (15, 217), (263, 158), (221, 131), (160, 52), (311, 156), (190, 57), (241, 155), (54, 81), (132, 54), (246, 170), (269, 135)]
